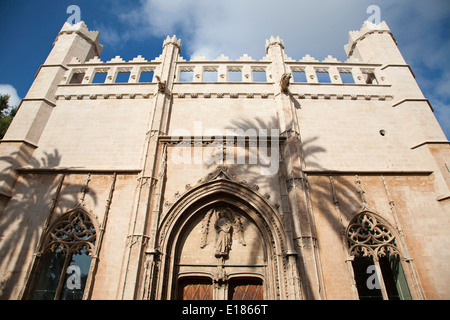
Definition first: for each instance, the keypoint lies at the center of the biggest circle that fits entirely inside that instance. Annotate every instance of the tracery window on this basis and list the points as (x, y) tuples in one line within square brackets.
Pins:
[(66, 258), (377, 261)]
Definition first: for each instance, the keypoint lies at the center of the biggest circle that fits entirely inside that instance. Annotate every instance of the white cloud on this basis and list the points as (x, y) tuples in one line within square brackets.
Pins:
[(235, 27), (318, 28), (109, 36), (14, 99)]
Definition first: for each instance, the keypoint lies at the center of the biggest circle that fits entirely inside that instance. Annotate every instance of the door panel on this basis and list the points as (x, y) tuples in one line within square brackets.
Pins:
[(245, 289), (195, 289)]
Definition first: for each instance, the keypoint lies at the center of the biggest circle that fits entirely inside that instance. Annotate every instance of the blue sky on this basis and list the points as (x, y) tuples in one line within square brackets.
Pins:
[(232, 27)]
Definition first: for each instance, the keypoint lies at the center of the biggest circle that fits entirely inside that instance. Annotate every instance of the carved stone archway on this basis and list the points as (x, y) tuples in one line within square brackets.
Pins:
[(223, 193)]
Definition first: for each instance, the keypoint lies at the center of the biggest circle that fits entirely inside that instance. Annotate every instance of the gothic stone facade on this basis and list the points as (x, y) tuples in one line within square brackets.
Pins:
[(134, 190)]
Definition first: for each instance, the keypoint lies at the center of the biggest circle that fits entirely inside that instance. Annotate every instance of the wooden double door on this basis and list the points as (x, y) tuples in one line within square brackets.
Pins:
[(237, 289)]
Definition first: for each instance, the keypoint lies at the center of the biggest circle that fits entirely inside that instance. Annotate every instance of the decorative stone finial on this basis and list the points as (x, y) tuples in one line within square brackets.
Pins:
[(176, 42), (274, 41)]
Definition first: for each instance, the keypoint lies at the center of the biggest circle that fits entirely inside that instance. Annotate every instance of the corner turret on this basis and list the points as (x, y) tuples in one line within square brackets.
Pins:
[(74, 41), (373, 43)]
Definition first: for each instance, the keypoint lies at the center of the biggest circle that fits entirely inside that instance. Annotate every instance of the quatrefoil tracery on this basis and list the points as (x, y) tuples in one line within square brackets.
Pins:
[(74, 233), (367, 236)]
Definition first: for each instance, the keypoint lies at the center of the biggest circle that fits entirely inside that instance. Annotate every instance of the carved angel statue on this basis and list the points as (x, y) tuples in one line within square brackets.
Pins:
[(221, 224)]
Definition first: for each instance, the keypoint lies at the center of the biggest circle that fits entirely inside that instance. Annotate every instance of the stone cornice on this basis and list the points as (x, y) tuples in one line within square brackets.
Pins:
[(28, 143), (224, 95), (334, 96), (413, 100), (392, 172), (27, 169), (104, 96)]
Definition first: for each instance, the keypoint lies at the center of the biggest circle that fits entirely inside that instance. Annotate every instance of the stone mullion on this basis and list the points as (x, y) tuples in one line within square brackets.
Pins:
[(380, 277)]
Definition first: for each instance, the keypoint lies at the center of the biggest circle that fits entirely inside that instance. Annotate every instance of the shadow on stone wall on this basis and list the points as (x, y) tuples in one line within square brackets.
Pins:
[(321, 196), (33, 202)]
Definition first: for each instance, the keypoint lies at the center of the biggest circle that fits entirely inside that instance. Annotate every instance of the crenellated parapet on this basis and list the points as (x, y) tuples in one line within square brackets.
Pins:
[(244, 77), (311, 78), (223, 65), (81, 29)]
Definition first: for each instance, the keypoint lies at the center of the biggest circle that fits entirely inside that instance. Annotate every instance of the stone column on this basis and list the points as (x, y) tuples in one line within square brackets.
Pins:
[(303, 232), (145, 215)]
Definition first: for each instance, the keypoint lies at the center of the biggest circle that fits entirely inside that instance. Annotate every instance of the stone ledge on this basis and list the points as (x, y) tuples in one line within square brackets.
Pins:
[(443, 198), (429, 142), (104, 96), (75, 170), (335, 96)]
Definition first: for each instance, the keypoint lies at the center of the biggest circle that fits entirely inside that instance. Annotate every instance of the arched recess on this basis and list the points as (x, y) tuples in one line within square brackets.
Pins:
[(191, 210), (380, 268)]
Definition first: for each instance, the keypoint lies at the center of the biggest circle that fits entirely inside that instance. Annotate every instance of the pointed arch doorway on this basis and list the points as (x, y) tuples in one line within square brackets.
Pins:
[(222, 253), (221, 240)]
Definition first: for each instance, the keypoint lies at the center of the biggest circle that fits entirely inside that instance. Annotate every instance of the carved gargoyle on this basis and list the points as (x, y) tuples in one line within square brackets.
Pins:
[(284, 82), (161, 85)]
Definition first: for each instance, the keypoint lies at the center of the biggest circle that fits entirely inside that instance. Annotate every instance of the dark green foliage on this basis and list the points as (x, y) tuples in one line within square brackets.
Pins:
[(6, 114)]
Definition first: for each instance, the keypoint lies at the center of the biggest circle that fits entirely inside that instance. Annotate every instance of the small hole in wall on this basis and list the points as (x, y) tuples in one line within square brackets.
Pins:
[(383, 132)]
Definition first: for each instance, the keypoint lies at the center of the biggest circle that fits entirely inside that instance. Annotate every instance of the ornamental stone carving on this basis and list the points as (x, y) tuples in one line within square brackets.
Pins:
[(219, 225), (284, 82), (369, 237), (73, 233)]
